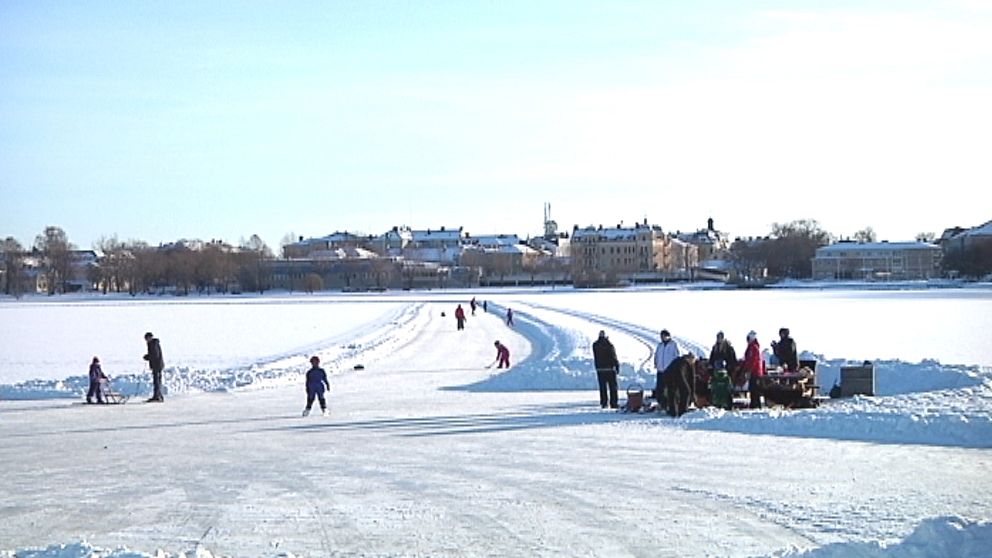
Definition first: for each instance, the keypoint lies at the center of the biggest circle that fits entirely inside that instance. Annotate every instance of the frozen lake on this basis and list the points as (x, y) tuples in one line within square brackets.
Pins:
[(428, 450), (55, 338)]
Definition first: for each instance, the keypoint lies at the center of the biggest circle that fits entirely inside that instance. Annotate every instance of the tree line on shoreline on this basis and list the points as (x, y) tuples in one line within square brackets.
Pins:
[(134, 266)]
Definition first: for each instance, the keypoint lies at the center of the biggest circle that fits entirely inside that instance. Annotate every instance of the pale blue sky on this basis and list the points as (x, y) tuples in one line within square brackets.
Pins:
[(167, 120)]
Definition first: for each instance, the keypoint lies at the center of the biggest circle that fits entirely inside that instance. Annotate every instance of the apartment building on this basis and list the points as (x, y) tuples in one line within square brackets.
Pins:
[(641, 252), (877, 261)]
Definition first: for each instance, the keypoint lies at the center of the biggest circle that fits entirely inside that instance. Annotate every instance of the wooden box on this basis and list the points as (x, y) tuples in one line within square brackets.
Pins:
[(857, 380)]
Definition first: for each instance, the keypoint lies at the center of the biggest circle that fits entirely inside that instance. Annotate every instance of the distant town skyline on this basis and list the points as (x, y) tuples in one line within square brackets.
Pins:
[(224, 120)]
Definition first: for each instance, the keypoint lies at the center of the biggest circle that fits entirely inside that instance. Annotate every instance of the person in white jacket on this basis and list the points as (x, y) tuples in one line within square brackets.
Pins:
[(664, 354)]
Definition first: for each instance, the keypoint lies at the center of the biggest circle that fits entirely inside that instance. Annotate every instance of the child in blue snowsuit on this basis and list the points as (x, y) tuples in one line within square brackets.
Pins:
[(316, 382)]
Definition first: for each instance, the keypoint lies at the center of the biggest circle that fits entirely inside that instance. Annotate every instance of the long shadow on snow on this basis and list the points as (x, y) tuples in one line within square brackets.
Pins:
[(153, 426), (526, 418)]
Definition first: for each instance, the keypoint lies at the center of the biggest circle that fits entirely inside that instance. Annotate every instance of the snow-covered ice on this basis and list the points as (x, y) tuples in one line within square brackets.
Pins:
[(429, 451)]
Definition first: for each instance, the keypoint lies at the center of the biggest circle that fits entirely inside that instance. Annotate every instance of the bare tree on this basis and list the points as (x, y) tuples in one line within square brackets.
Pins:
[(927, 237), (792, 247), (252, 272), (866, 234), (13, 267), (287, 239), (110, 273), (57, 253), (313, 282)]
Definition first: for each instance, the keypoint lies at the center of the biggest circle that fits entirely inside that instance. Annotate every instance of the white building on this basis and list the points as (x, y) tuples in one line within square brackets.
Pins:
[(877, 261)]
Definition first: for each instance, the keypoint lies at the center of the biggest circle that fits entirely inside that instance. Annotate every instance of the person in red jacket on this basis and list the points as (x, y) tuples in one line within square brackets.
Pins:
[(502, 355), (753, 367), (460, 317)]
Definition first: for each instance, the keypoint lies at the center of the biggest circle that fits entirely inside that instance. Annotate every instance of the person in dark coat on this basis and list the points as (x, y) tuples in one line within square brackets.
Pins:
[(460, 317), (607, 366), (472, 305), (680, 378), (723, 356), (157, 363), (785, 351), (509, 316), (96, 377), (316, 382)]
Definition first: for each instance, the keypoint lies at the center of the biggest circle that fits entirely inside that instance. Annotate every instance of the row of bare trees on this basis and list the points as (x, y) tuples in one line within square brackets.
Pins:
[(134, 266), (214, 267), (787, 252)]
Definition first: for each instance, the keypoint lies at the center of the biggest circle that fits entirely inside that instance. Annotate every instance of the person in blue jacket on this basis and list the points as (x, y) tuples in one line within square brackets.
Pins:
[(316, 382)]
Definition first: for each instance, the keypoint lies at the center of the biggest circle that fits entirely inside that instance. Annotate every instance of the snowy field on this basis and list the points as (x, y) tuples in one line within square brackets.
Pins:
[(428, 451)]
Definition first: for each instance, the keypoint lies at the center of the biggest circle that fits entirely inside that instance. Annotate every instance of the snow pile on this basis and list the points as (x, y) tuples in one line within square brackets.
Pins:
[(934, 538), (85, 550)]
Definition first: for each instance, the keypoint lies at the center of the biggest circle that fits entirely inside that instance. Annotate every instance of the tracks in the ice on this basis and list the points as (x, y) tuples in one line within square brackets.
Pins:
[(644, 335)]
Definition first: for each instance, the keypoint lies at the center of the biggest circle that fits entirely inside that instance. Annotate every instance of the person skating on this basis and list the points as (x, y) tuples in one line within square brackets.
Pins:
[(460, 317), (157, 363), (502, 355), (316, 382), (664, 354), (96, 378), (509, 316), (607, 366), (472, 305)]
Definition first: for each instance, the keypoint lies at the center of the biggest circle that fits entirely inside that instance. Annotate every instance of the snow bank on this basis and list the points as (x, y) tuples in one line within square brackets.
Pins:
[(85, 550), (936, 537)]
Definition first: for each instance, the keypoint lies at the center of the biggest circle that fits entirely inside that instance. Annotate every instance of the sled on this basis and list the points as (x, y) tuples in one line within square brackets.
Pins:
[(110, 396)]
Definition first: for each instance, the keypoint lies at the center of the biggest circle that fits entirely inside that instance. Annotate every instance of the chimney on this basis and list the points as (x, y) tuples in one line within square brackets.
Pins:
[(709, 223)]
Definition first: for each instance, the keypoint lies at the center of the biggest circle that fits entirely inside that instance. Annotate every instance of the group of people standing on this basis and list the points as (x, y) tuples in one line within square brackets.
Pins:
[(723, 357), (675, 373)]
